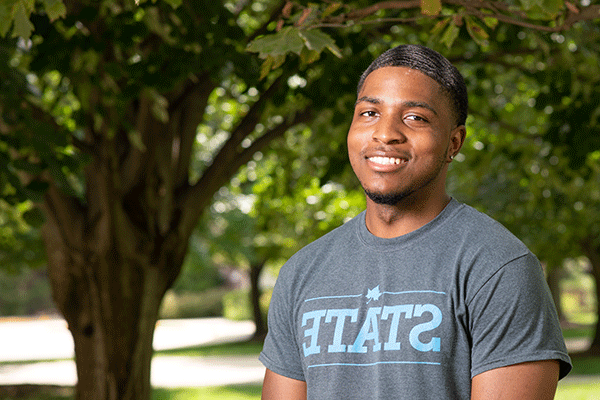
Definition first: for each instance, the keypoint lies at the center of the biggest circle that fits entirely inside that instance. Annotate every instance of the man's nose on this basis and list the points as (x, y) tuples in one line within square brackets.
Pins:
[(389, 130)]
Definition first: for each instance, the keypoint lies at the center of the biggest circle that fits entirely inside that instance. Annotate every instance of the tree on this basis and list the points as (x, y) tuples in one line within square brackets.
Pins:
[(533, 146), (295, 198), (103, 121), (561, 110), (107, 125), (104, 113)]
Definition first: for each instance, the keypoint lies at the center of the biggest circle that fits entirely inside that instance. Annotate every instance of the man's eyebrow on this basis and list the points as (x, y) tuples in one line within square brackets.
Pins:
[(368, 99), (419, 104), (408, 104)]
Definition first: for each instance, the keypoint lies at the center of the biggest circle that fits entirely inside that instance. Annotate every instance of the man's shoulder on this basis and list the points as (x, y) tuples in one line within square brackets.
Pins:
[(338, 235), (335, 241), (474, 228)]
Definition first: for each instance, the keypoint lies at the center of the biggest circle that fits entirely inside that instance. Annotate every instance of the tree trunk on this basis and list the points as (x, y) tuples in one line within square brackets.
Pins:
[(554, 277), (255, 292), (111, 306), (109, 274), (591, 248)]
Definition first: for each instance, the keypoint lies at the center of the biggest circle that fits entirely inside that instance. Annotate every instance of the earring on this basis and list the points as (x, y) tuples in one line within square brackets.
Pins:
[(451, 157)]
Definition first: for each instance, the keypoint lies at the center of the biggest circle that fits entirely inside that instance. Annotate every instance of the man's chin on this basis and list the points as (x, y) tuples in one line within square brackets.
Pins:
[(387, 199)]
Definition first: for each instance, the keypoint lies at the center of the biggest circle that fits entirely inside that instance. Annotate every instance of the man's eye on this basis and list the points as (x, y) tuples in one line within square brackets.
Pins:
[(417, 118), (368, 113)]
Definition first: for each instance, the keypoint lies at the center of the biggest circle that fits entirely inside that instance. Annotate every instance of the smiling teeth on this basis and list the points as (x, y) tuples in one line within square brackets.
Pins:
[(385, 160)]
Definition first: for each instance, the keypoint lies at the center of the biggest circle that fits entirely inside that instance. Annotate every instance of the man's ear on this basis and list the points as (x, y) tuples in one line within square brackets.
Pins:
[(457, 139)]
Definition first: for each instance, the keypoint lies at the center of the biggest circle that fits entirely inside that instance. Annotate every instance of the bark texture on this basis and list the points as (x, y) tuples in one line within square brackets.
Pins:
[(113, 254)]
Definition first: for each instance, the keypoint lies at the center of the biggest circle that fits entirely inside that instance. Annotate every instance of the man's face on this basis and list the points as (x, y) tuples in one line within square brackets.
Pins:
[(401, 136)]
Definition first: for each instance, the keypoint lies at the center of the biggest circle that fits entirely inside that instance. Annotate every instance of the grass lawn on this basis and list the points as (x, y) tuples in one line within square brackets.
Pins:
[(225, 349), (241, 392), (583, 382), (578, 390), (572, 390)]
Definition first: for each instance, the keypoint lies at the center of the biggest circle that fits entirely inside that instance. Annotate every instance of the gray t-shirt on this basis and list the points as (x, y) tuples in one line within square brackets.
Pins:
[(413, 317)]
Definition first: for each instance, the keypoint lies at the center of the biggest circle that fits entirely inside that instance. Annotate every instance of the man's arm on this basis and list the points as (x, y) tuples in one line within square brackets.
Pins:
[(527, 381), (278, 387)]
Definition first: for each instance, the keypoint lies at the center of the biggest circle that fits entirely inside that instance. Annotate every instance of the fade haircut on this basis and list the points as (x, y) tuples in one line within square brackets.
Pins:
[(432, 64)]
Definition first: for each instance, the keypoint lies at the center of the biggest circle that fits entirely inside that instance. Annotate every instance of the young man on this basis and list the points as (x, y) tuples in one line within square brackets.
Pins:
[(420, 296)]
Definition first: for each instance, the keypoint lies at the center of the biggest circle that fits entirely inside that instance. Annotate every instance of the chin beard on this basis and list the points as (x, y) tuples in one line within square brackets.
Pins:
[(390, 199)]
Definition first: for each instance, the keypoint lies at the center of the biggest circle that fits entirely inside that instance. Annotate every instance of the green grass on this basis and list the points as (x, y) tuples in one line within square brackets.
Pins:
[(234, 392), (578, 332), (572, 390), (36, 392), (576, 387), (224, 349), (586, 366)]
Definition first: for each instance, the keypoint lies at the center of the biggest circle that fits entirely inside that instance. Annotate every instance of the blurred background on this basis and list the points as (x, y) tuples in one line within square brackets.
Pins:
[(160, 160)]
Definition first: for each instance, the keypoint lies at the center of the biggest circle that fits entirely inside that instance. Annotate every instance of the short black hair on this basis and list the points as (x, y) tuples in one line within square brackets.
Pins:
[(432, 64)]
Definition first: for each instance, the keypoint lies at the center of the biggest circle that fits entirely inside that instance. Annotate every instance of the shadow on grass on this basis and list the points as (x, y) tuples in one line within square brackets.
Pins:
[(36, 392), (585, 364)]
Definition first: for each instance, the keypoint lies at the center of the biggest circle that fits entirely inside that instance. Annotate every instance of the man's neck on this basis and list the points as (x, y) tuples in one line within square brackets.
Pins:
[(387, 221)]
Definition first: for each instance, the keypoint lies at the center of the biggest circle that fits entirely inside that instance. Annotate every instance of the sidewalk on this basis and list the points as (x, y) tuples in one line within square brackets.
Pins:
[(38, 340), (49, 339)]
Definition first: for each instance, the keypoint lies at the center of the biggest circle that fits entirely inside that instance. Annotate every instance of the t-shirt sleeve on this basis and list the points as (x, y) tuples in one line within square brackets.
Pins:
[(513, 319), (280, 351)]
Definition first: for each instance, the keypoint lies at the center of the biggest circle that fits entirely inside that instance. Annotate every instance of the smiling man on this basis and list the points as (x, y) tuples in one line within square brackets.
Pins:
[(419, 296)]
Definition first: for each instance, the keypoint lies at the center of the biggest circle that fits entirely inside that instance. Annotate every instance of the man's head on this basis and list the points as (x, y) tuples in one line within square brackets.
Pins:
[(430, 63), (408, 124)]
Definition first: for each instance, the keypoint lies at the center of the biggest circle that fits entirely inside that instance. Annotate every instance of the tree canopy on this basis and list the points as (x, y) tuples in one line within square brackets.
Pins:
[(121, 120)]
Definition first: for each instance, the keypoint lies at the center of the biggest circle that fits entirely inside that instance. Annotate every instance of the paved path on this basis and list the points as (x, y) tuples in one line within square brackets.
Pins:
[(39, 340), (49, 339)]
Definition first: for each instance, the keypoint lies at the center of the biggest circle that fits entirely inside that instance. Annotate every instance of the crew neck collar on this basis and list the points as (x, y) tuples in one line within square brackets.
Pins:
[(371, 240)]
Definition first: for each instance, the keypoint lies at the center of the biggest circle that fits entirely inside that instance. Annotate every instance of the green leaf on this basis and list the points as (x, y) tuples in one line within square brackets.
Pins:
[(136, 140), (174, 3), (450, 34), (265, 67), (333, 7), (552, 7), (439, 26), (543, 9), (271, 63), (490, 22), (285, 41), (317, 40), (309, 56), (528, 4), (6, 19), (23, 26), (431, 7), (55, 9), (476, 31), (278, 61)]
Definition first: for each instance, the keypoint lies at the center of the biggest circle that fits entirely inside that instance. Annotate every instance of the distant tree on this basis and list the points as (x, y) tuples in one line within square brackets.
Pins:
[(533, 146)]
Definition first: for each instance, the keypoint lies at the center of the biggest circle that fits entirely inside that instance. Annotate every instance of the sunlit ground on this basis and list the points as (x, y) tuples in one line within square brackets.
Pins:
[(582, 384)]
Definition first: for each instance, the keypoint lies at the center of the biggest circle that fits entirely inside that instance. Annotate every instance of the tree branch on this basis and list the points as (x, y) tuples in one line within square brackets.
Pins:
[(61, 210), (499, 10), (248, 123), (197, 197), (260, 143), (191, 113)]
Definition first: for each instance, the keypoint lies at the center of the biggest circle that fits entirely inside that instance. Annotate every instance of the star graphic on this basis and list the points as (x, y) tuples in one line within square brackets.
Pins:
[(373, 294)]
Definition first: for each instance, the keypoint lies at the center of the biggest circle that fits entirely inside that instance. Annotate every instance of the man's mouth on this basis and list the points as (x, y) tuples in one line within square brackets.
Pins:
[(386, 160)]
